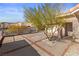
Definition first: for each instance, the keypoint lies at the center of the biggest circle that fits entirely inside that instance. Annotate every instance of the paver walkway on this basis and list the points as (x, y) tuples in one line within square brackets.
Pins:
[(37, 44), (73, 50), (52, 48)]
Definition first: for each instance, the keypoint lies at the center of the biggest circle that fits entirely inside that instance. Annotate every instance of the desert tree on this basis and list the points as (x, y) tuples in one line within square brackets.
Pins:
[(45, 16)]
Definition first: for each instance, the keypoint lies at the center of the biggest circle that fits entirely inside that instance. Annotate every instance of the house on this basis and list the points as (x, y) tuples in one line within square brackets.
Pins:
[(72, 22), (4, 25)]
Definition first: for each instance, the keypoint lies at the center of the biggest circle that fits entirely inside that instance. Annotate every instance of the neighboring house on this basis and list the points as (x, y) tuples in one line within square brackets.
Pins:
[(4, 25), (7, 24)]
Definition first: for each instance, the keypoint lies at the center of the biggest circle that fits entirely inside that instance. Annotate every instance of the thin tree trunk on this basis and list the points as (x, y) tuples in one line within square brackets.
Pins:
[(61, 33)]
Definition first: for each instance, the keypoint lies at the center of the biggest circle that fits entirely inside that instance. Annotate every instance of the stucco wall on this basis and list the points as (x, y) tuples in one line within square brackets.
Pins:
[(75, 25)]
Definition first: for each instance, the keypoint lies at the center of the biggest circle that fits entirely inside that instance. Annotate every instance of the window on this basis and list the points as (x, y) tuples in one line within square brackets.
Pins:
[(69, 26)]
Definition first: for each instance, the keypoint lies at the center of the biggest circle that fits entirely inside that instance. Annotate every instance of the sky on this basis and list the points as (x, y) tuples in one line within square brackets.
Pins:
[(13, 12)]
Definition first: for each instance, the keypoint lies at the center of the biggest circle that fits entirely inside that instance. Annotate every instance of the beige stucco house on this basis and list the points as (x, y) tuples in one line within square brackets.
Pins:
[(72, 22)]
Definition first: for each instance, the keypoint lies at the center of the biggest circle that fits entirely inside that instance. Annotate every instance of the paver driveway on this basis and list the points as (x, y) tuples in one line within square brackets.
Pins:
[(37, 44)]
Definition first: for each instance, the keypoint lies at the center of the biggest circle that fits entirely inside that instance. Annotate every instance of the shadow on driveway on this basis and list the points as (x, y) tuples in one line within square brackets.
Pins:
[(18, 48)]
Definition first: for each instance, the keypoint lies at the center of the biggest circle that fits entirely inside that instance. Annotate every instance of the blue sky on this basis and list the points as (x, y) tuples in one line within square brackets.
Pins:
[(13, 12)]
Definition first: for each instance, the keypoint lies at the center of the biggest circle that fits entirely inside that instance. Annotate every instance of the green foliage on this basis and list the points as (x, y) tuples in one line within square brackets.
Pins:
[(15, 28), (44, 15)]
